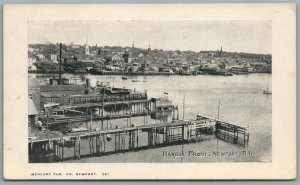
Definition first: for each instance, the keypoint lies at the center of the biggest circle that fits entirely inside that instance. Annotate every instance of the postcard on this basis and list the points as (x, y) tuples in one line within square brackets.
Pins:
[(152, 91)]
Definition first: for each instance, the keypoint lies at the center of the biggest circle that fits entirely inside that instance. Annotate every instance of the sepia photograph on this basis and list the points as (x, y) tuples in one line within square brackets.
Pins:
[(113, 91), (97, 92)]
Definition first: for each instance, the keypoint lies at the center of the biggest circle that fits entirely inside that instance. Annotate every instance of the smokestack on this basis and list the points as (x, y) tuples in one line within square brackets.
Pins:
[(87, 86), (60, 53)]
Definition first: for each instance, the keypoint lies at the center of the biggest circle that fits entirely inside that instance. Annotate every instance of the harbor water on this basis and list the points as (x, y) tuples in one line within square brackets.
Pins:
[(242, 102)]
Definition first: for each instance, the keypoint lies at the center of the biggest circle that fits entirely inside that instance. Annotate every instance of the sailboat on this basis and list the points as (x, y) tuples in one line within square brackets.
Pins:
[(267, 91)]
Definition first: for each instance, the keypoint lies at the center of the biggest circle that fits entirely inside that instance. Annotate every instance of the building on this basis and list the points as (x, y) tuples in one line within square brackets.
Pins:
[(53, 58), (32, 114), (115, 58), (40, 56), (30, 49), (126, 57), (247, 69), (75, 47), (34, 92), (54, 93), (31, 61), (210, 68)]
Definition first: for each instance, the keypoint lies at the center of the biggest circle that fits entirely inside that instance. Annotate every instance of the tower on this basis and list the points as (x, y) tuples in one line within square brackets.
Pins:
[(126, 56), (133, 44), (149, 49), (221, 52), (87, 49)]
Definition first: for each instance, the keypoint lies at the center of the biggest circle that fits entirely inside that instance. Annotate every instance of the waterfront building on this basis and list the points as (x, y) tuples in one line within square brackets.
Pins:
[(32, 114), (31, 61), (34, 92), (247, 69)]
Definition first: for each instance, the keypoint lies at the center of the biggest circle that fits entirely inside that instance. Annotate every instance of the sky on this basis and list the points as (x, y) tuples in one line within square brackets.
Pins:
[(236, 36)]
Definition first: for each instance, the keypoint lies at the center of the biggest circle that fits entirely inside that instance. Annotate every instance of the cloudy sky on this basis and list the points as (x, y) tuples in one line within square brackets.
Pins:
[(240, 36)]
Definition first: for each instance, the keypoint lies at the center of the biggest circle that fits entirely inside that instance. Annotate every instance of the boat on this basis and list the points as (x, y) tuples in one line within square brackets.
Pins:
[(74, 130), (124, 78), (226, 73), (114, 90), (267, 91), (80, 129), (105, 86), (145, 79), (135, 80)]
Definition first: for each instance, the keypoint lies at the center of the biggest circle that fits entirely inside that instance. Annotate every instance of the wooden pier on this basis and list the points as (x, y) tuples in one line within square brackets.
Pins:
[(229, 132), (232, 133), (133, 138)]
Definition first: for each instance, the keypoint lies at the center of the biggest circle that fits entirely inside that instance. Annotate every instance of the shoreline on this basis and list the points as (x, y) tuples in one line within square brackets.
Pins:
[(115, 73)]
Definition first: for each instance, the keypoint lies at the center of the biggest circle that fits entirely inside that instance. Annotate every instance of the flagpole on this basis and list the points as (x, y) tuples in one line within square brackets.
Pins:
[(183, 106), (219, 109), (218, 118)]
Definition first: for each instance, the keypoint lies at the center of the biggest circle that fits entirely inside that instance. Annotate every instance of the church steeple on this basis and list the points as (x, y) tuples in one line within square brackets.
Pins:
[(133, 44), (87, 48), (149, 48), (221, 52)]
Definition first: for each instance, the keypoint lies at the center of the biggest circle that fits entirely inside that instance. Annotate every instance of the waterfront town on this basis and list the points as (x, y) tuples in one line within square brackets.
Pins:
[(70, 118), (116, 60)]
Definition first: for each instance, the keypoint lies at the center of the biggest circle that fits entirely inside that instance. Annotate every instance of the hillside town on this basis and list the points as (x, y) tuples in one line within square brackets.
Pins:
[(117, 60)]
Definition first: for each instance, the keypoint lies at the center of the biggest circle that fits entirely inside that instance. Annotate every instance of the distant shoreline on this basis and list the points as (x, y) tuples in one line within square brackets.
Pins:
[(117, 73)]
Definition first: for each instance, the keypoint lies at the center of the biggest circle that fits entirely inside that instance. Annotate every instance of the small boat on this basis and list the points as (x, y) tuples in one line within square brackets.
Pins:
[(228, 74), (80, 129), (135, 80), (74, 130), (113, 90), (124, 78), (105, 87), (267, 91), (145, 79)]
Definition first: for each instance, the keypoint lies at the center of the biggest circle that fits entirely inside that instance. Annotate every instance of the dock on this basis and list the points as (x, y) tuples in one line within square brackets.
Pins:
[(133, 138)]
